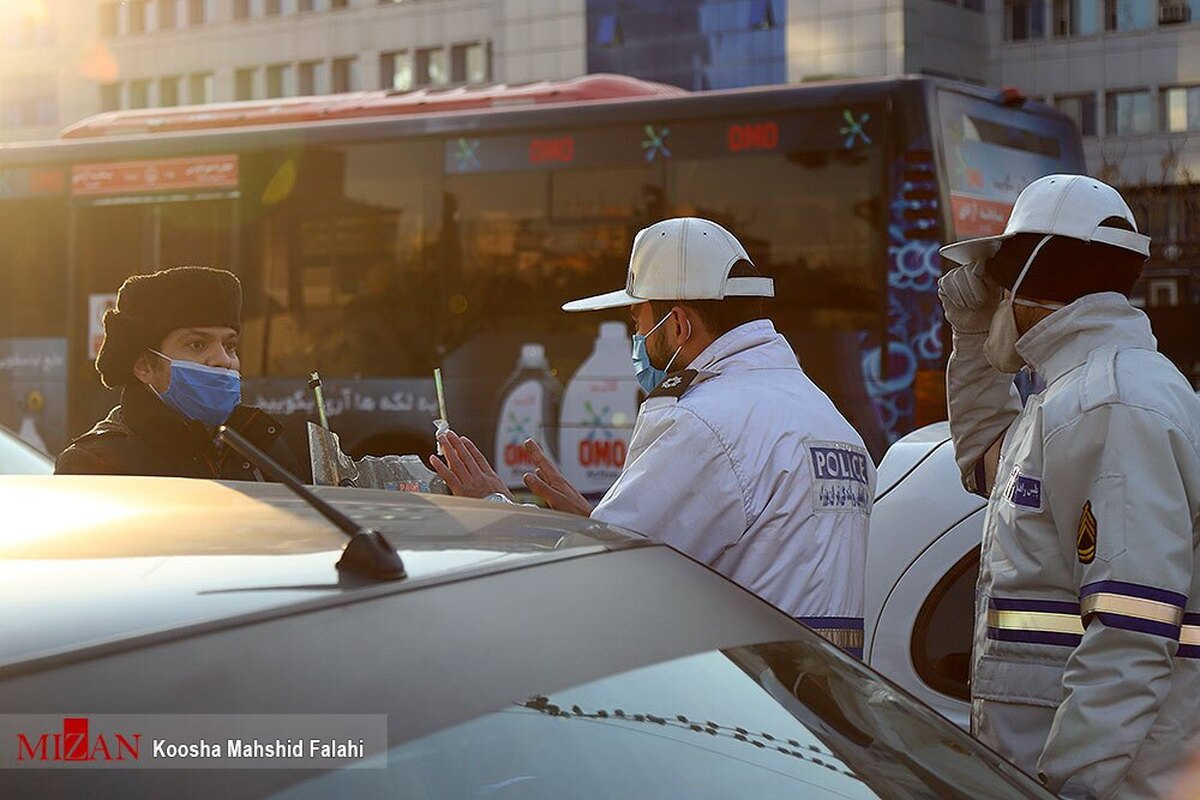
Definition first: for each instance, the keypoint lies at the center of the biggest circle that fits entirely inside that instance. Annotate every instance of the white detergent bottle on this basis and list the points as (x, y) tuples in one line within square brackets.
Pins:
[(598, 411), (529, 405)]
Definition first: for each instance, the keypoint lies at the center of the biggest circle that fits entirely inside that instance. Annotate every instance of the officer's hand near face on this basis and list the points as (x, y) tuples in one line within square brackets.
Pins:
[(466, 471), (549, 484), (969, 298)]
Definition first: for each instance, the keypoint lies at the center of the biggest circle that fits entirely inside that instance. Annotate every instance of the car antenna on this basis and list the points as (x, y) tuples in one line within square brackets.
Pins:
[(368, 553)]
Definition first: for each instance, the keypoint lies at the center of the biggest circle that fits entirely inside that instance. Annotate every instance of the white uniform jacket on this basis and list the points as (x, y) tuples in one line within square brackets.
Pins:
[(742, 463), (1086, 666)]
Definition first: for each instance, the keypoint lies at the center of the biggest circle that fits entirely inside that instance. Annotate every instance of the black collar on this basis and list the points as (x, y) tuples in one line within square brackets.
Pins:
[(154, 422)]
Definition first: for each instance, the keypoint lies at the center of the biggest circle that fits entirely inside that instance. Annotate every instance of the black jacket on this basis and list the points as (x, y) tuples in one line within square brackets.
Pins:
[(142, 436)]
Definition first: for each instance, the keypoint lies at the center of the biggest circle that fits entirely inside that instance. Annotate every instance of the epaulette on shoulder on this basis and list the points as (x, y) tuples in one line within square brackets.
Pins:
[(675, 385)]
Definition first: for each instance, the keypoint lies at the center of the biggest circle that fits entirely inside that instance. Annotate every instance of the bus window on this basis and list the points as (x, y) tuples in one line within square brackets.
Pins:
[(34, 262), (339, 274), (812, 222), (992, 152)]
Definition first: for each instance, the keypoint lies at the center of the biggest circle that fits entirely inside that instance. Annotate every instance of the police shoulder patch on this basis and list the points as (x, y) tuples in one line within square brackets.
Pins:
[(675, 385), (1085, 537)]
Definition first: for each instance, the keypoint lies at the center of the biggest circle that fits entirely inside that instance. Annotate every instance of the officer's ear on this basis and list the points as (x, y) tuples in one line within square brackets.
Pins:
[(684, 322)]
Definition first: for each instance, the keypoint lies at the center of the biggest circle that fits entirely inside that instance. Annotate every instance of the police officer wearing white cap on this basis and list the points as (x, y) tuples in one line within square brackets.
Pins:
[(1086, 665), (737, 458)]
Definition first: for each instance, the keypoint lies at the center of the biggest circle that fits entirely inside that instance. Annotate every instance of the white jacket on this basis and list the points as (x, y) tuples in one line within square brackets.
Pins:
[(744, 464), (1087, 643)]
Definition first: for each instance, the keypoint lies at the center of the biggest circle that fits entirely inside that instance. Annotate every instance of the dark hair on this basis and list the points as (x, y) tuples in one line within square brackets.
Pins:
[(1067, 269), (720, 316)]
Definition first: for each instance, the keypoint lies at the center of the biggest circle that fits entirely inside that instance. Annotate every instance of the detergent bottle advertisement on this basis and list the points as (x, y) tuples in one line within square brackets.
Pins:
[(529, 403), (598, 412)]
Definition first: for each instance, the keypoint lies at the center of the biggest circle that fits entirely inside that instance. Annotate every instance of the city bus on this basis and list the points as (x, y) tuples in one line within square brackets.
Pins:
[(379, 236)]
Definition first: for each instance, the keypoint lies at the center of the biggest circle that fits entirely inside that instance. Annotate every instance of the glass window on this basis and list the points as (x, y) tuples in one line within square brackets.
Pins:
[(310, 78), (200, 88), (345, 75), (1181, 109), (1130, 15), (273, 8), (608, 31), (1129, 113), (1024, 19), (241, 9), (168, 15), (136, 9), (469, 63), (168, 91), (1082, 109), (243, 83), (396, 71), (197, 12), (778, 720), (762, 15), (139, 94), (336, 4), (431, 67), (1076, 17), (109, 15), (279, 81), (306, 5), (30, 101), (34, 232), (941, 645), (343, 262), (110, 97)]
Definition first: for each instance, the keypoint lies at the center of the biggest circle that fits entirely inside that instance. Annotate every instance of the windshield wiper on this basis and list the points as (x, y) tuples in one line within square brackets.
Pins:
[(367, 553)]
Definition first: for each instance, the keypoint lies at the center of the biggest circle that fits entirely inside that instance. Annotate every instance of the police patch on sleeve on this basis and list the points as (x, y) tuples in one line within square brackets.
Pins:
[(841, 478), (1085, 537)]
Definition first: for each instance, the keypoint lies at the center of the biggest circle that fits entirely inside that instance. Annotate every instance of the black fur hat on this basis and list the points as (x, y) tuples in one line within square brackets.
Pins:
[(151, 306)]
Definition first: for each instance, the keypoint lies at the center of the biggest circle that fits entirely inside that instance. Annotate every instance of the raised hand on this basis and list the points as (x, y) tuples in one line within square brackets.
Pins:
[(548, 483), (466, 471)]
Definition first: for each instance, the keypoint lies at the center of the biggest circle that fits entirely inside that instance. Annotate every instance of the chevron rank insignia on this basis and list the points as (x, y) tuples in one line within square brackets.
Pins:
[(1085, 538), (675, 385)]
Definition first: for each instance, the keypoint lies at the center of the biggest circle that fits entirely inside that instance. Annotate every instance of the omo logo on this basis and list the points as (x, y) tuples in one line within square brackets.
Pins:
[(594, 451), (76, 743)]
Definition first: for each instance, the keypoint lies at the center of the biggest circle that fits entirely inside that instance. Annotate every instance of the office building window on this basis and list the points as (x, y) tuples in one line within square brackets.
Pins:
[(608, 31), (279, 81), (1076, 17), (1129, 15), (273, 7), (168, 91), (1024, 19), (396, 71), (1178, 12), (336, 4), (109, 14), (1181, 109), (469, 63), (29, 101), (243, 83), (197, 12), (139, 94), (200, 88), (168, 15), (136, 11), (1082, 109), (431, 67), (241, 9), (1129, 113), (306, 5), (310, 78), (345, 75), (110, 97), (762, 15)]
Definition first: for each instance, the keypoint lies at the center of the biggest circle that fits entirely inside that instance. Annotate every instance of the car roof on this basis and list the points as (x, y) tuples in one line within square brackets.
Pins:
[(90, 560)]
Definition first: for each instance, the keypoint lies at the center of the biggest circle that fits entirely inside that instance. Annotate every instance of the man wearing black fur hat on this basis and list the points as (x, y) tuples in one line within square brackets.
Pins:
[(171, 346)]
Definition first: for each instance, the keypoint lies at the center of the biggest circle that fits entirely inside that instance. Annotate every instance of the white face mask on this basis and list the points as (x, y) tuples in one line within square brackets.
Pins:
[(1001, 344)]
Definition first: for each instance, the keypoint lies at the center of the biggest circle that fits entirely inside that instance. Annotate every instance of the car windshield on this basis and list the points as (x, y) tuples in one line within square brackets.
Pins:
[(774, 720)]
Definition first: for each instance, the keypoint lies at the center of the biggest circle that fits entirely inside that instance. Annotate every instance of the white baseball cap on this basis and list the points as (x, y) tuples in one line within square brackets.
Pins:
[(1060, 205), (686, 258)]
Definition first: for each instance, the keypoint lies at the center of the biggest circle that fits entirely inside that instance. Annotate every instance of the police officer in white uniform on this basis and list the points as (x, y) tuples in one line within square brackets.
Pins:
[(737, 458), (1086, 667)]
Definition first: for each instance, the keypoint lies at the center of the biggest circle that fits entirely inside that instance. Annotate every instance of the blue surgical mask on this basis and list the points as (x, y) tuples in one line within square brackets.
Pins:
[(648, 375), (205, 394)]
